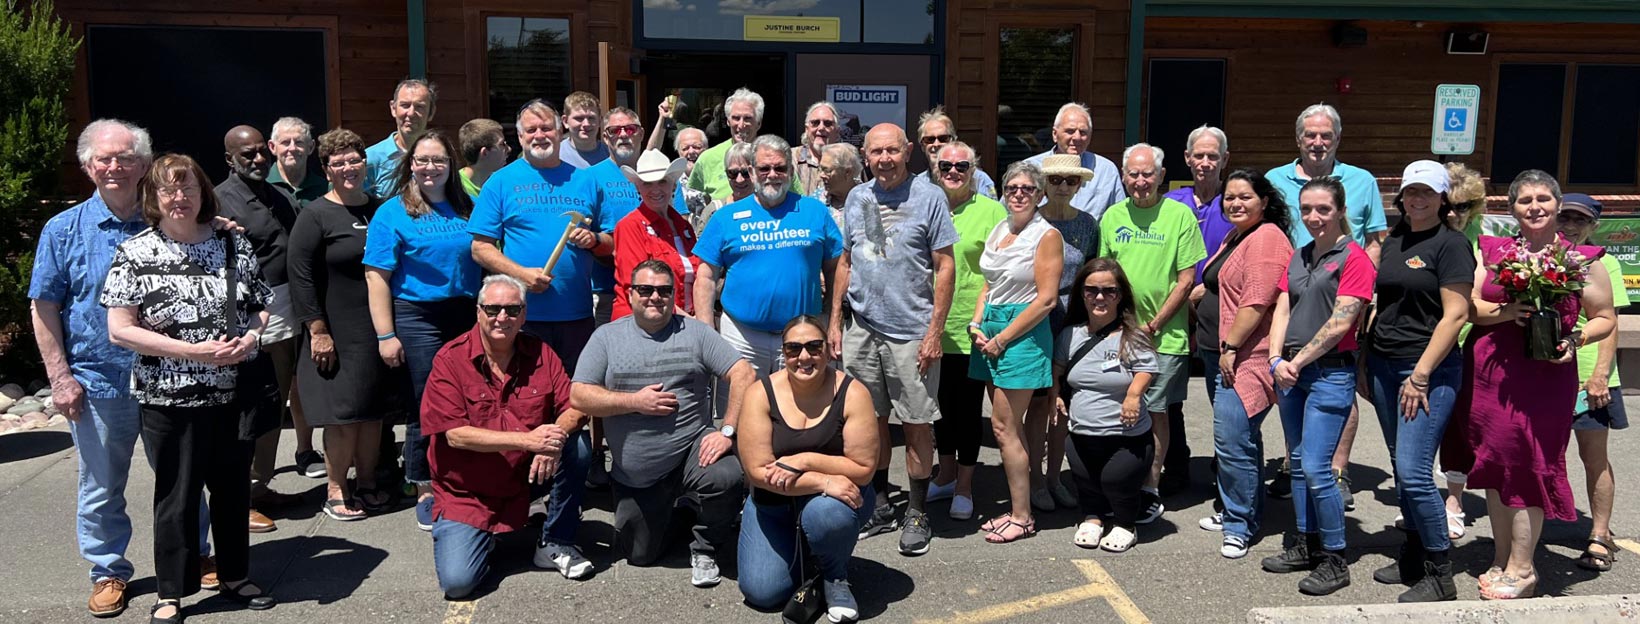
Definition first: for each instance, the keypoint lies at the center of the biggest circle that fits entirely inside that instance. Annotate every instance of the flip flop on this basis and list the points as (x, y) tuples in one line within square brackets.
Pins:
[(1088, 534), (333, 509)]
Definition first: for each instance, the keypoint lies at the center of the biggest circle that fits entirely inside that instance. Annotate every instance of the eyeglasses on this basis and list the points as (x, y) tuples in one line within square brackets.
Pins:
[(1020, 189), (770, 169), (735, 174), (346, 164), (493, 310), (123, 160), (962, 166), (626, 130), (1096, 292), (1056, 180), (646, 290), (822, 123), (938, 138), (176, 191), (431, 161), (814, 347)]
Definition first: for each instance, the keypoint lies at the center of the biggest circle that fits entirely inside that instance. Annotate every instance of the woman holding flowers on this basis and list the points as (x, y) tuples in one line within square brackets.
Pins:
[(1521, 383)]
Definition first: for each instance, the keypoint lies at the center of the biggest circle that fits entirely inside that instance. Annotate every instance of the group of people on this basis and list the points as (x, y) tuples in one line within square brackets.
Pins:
[(736, 327)]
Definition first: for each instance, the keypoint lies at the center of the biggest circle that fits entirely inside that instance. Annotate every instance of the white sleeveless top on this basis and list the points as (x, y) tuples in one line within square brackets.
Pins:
[(1010, 273)]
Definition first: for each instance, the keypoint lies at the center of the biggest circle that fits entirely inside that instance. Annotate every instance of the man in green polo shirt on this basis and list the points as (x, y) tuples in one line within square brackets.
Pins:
[(291, 142), (1158, 243), (744, 109), (485, 149), (1318, 129)]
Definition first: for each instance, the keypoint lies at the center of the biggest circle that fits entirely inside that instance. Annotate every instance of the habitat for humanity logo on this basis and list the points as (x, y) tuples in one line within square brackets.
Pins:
[(1127, 234)]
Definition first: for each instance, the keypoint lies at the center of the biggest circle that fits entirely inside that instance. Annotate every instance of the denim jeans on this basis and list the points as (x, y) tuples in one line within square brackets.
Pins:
[(105, 439), (569, 486), (1413, 443), (1239, 443), (768, 553), (1313, 414), (423, 327)]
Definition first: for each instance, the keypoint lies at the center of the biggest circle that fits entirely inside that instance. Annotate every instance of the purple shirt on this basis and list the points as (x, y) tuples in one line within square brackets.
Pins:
[(1210, 218)]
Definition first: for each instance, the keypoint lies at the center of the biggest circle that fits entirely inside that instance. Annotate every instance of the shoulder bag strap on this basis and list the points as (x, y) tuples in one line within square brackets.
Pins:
[(230, 274)]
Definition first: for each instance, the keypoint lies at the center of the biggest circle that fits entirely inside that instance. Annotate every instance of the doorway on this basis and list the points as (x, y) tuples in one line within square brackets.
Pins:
[(703, 81)]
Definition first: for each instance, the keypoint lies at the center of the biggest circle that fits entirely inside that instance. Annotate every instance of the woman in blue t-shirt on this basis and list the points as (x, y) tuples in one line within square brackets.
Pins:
[(422, 281)]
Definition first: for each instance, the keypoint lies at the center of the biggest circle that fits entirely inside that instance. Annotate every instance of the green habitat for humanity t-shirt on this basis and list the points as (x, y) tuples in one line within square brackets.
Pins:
[(1587, 354), (974, 221), (1153, 245)]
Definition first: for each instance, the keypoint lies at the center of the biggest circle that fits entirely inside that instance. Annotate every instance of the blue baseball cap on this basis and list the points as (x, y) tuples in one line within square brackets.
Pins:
[(1581, 203)]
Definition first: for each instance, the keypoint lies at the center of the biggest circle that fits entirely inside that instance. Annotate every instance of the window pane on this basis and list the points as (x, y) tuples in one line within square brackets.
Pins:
[(1605, 123), (1035, 66), (528, 58), (1526, 126), (1171, 114), (899, 21), (883, 21)]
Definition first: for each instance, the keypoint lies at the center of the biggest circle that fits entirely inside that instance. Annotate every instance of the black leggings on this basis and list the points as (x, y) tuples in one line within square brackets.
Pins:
[(961, 424), (1117, 466)]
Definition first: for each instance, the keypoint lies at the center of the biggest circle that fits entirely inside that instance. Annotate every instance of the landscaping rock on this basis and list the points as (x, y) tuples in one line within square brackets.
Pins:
[(6, 402), (35, 420), (12, 391), (43, 392), (36, 385), (26, 405)]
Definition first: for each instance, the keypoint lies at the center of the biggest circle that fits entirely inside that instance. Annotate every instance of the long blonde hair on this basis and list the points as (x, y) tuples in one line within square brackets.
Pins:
[(1467, 193)]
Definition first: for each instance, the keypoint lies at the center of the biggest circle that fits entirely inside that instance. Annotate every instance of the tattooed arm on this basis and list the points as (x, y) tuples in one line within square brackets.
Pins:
[(1346, 310)]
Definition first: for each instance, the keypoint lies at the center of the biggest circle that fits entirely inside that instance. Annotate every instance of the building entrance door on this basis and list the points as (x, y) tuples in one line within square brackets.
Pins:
[(703, 81)]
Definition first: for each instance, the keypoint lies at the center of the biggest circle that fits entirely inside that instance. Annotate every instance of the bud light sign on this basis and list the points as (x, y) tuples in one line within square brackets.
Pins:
[(871, 104)]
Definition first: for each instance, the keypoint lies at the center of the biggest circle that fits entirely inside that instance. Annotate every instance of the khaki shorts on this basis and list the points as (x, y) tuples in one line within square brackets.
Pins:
[(279, 327), (1171, 383), (888, 368)]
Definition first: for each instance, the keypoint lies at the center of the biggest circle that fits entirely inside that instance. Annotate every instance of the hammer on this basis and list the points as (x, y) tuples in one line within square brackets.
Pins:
[(575, 220)]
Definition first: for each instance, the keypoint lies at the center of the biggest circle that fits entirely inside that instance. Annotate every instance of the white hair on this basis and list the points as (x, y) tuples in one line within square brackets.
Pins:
[(677, 142), (96, 130), (847, 155), (1155, 152), (1197, 134), (819, 105), (1072, 107), (748, 96), (1319, 109), (288, 124), (504, 280), (541, 109), (743, 152), (774, 144)]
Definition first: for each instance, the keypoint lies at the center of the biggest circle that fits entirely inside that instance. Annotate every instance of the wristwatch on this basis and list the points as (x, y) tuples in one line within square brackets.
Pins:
[(728, 431), (1227, 347)]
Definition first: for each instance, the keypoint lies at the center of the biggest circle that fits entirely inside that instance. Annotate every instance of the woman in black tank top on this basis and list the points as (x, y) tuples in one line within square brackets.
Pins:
[(808, 442)]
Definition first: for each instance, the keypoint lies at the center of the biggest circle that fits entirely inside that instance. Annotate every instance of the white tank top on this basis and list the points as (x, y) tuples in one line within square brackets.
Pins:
[(1010, 273)]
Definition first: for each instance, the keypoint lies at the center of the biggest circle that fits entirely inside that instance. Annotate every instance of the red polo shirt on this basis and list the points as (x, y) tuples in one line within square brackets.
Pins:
[(488, 491), (642, 235)]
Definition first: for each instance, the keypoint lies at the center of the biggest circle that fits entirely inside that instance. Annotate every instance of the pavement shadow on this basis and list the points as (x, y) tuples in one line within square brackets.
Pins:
[(32, 444), (327, 570)]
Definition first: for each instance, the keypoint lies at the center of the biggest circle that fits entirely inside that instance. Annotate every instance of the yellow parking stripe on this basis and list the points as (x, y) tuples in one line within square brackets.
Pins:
[(460, 612), (1100, 585), (1111, 591), (1627, 544)]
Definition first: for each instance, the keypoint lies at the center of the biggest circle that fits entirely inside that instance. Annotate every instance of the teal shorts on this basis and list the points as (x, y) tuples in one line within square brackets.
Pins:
[(1027, 363)]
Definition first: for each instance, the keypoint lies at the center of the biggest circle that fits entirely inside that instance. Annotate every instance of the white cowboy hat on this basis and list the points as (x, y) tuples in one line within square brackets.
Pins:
[(1065, 164), (653, 167)]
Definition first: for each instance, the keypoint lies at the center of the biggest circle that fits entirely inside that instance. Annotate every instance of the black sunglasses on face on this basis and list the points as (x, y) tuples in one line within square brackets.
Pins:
[(735, 174), (938, 138), (813, 347), (1057, 180), (962, 166), (645, 290), (1095, 292), (493, 310)]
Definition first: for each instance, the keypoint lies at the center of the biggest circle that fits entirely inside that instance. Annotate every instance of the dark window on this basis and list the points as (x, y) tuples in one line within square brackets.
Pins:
[(877, 21), (1605, 124), (527, 58), (1183, 95), (1035, 70), (1526, 126), (175, 81)]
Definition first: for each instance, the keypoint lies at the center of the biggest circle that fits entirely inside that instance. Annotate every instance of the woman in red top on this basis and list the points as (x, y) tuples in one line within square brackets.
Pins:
[(655, 230)]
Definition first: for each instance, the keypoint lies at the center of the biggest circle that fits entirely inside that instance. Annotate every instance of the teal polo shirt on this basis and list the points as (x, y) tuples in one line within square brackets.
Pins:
[(313, 185), (1362, 203), (380, 160)]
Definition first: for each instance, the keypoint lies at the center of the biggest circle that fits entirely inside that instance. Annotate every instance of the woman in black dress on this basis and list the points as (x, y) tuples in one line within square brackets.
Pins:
[(346, 388)]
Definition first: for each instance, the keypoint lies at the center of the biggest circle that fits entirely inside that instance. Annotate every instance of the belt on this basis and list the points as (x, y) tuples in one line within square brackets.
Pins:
[(1330, 360)]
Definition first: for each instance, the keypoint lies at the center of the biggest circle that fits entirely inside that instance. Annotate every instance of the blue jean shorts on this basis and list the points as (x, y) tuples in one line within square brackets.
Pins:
[(1613, 416)]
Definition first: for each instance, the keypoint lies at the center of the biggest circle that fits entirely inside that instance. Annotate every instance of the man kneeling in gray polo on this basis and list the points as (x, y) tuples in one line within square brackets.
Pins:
[(646, 377)]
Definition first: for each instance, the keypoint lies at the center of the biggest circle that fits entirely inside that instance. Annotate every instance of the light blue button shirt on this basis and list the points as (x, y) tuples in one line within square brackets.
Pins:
[(70, 263)]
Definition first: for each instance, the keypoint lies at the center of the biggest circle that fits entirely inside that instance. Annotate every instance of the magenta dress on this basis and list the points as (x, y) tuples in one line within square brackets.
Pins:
[(1519, 410)]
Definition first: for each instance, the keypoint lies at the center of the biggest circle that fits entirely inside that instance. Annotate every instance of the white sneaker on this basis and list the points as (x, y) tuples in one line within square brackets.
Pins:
[(1233, 547), (567, 560), (937, 492), (703, 570), (1214, 522), (962, 507)]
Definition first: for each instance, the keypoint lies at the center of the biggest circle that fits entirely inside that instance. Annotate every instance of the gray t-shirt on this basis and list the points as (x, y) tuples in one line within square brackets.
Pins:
[(684, 357), (1101, 381), (891, 236), (580, 159)]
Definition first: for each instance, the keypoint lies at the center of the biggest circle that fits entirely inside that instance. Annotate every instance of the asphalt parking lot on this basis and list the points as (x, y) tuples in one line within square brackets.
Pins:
[(380, 570)]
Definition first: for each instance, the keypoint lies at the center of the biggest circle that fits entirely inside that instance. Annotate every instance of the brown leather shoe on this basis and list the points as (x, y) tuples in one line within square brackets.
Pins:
[(261, 523), (207, 574), (107, 598)]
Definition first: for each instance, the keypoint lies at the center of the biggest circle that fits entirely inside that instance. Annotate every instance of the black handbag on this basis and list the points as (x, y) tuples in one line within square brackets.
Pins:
[(256, 388), (808, 601)]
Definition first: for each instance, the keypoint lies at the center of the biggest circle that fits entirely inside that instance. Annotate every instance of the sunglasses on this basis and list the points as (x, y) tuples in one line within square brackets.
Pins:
[(813, 347), (821, 123), (962, 166), (738, 173), (627, 130), (1019, 189), (1095, 292), (770, 169), (493, 310), (938, 138), (646, 290), (1057, 180)]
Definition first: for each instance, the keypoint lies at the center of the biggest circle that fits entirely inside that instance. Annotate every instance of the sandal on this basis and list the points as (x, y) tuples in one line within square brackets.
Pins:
[(1599, 562), (257, 600), (176, 618), (1119, 540), (1506, 587), (999, 533), (1088, 534), (338, 510), (1489, 578), (993, 523), (1455, 525)]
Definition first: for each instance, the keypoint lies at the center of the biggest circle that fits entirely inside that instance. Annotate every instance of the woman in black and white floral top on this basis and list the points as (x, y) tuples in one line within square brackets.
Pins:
[(166, 295)]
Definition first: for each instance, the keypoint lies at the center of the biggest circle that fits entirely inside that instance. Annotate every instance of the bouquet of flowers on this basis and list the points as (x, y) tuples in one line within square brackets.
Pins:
[(1542, 278)]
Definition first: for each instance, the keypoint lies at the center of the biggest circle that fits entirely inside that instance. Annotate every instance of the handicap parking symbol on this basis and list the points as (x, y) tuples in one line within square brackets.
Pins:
[(1457, 119)]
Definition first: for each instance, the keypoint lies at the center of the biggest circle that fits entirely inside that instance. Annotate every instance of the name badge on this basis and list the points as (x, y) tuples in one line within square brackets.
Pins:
[(742, 214), (1111, 365)]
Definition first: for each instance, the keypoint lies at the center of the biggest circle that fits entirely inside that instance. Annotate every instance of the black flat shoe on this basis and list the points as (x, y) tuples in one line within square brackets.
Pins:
[(176, 618), (258, 601)]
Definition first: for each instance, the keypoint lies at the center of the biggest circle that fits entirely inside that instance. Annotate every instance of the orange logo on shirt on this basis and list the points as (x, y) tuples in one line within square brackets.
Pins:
[(1415, 262)]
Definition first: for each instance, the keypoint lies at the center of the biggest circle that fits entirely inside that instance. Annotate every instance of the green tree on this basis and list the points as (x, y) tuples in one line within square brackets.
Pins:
[(36, 63)]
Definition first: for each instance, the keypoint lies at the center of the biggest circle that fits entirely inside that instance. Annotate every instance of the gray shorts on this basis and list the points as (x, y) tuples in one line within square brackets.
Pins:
[(1613, 416), (1171, 383), (888, 368)]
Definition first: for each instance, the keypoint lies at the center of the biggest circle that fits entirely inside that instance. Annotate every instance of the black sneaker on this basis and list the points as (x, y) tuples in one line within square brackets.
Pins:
[(598, 473), (882, 521), (1282, 486), (1299, 553), (310, 464), (1344, 489), (1435, 586), (915, 535), (1153, 506), (1408, 567), (1332, 575)]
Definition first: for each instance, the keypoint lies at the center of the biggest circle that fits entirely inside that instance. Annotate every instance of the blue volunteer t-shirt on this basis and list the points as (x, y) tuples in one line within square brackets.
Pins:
[(430, 257), (525, 209), (771, 258), (614, 198)]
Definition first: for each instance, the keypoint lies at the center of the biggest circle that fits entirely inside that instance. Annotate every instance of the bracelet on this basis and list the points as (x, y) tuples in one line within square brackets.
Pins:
[(387, 336), (976, 327), (1276, 361)]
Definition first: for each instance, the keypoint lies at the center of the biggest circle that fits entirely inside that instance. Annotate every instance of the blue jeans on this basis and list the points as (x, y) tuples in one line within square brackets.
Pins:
[(423, 327), (461, 552), (1313, 414), (1413, 443), (105, 438), (768, 553), (1239, 443)]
